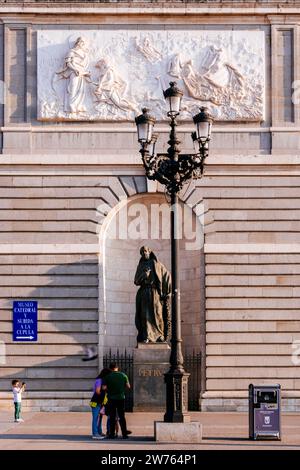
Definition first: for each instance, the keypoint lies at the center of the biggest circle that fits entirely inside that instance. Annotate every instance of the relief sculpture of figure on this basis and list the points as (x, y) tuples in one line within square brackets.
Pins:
[(77, 74), (111, 88), (218, 71), (153, 317), (218, 81), (148, 51), (175, 66), (198, 87), (191, 79)]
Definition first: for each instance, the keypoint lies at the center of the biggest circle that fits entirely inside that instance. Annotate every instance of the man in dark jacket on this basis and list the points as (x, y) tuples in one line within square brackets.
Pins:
[(116, 383)]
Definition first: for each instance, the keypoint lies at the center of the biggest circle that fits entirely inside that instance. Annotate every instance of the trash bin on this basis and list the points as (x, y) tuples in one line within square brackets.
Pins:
[(264, 411)]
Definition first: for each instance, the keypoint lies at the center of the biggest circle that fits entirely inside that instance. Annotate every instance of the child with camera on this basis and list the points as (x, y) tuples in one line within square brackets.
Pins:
[(18, 389)]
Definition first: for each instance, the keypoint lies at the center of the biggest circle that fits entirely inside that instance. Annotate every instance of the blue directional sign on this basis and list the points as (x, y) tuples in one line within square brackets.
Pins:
[(25, 320)]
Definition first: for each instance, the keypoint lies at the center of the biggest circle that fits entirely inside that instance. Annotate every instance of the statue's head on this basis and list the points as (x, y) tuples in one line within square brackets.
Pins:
[(81, 42), (145, 252), (102, 64)]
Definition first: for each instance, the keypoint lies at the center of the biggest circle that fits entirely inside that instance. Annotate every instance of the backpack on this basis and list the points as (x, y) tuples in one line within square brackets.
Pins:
[(97, 399)]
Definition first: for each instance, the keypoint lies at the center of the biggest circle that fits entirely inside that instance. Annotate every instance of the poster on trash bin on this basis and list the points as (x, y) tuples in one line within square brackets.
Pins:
[(266, 420)]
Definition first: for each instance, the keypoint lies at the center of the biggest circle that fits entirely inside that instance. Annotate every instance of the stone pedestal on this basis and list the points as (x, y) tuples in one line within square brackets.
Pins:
[(190, 433), (150, 362)]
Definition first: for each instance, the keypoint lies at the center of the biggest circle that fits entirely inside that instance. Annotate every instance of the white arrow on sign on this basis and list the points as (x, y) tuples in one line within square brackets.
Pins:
[(25, 337)]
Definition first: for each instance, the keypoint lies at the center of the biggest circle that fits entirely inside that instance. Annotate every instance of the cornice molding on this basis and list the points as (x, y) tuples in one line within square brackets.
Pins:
[(168, 8)]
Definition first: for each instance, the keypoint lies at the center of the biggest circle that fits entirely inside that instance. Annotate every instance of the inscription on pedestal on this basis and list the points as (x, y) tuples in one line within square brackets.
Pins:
[(151, 362), (150, 373)]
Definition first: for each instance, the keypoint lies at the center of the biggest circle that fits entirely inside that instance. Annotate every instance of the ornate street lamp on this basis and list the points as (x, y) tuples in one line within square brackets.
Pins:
[(173, 170), (173, 96)]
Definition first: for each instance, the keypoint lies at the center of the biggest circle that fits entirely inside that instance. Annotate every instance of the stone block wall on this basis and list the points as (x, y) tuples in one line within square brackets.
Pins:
[(240, 292), (251, 282)]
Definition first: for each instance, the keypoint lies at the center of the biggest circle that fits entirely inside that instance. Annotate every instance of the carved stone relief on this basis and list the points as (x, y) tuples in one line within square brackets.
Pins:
[(104, 75)]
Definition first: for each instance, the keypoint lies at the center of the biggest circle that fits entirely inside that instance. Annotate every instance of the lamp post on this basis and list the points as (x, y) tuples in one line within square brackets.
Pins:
[(173, 169)]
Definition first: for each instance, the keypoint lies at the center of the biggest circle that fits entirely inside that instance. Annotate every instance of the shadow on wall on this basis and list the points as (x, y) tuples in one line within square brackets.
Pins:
[(67, 322)]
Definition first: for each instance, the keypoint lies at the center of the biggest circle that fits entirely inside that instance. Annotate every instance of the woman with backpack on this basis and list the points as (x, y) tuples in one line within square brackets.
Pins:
[(97, 405)]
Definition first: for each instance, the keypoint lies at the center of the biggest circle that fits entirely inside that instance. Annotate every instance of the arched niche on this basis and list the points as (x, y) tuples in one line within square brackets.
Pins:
[(144, 220)]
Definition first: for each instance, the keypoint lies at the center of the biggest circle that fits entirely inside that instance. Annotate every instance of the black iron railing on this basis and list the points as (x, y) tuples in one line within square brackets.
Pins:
[(192, 364)]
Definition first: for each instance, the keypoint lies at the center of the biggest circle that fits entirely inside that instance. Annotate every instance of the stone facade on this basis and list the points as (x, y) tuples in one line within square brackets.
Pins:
[(240, 291)]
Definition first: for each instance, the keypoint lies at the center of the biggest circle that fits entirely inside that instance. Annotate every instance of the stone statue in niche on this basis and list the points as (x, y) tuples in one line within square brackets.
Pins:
[(153, 310), (148, 51), (111, 89), (78, 76)]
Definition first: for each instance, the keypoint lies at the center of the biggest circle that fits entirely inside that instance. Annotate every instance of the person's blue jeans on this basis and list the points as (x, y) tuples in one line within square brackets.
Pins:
[(96, 421)]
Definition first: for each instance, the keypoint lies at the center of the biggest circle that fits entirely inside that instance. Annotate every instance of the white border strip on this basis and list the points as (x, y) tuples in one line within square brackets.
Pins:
[(252, 248)]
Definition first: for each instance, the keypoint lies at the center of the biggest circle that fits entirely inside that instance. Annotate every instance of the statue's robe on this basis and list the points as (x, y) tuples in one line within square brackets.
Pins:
[(76, 66), (152, 318)]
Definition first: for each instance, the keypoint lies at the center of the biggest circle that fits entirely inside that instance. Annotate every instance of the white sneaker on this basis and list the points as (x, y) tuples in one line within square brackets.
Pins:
[(98, 438), (20, 420)]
